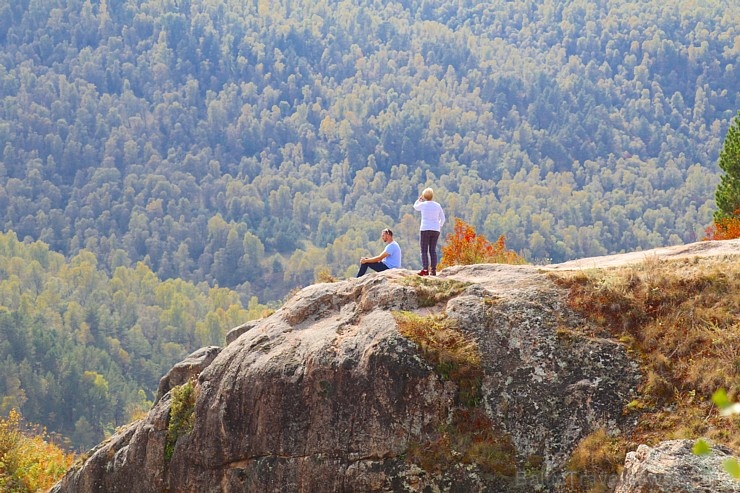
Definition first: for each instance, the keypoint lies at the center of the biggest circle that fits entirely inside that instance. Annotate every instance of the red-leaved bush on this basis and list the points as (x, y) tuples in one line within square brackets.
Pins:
[(727, 228), (465, 247)]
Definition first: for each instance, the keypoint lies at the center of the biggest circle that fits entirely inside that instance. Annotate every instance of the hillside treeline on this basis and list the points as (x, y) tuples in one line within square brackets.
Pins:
[(252, 144), (81, 351)]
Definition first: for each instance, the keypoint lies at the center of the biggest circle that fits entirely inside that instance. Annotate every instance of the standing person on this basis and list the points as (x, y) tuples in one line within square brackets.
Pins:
[(432, 219), (389, 258)]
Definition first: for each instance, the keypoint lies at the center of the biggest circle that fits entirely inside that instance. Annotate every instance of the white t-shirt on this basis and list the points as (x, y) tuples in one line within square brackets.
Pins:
[(432, 215)]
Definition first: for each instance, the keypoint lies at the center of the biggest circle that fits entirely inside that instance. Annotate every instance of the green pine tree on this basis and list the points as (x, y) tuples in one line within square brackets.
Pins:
[(727, 195)]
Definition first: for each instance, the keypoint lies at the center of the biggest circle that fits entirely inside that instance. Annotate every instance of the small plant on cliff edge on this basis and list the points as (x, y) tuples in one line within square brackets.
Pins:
[(323, 274), (465, 247), (182, 416)]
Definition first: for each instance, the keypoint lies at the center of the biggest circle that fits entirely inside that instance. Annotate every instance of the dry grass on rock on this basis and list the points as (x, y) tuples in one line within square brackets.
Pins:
[(432, 290), (682, 320)]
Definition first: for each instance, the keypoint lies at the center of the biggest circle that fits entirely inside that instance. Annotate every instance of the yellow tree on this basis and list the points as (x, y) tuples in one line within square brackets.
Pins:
[(28, 462)]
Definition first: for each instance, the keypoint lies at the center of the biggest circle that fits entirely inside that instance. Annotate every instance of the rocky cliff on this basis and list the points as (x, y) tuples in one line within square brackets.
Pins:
[(347, 389)]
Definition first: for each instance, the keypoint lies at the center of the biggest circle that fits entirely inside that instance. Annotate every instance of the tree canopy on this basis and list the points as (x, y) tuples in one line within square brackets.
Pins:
[(82, 352)]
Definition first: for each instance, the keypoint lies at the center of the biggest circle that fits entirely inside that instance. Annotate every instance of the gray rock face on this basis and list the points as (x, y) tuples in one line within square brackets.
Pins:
[(672, 467), (234, 333), (327, 395), (187, 369)]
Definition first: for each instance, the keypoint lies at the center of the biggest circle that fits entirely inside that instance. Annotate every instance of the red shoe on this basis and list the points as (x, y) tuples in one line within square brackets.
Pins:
[(423, 272)]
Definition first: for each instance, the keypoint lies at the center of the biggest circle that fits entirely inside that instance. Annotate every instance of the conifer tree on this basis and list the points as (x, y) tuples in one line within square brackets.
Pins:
[(727, 195)]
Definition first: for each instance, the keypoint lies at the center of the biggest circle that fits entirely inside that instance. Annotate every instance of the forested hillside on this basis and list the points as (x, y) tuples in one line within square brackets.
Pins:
[(82, 352), (251, 144)]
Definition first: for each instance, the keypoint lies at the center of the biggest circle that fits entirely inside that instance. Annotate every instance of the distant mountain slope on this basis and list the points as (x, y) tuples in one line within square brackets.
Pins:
[(81, 351), (254, 144)]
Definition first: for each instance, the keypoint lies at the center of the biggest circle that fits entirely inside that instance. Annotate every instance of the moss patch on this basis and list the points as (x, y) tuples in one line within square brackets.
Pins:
[(182, 415)]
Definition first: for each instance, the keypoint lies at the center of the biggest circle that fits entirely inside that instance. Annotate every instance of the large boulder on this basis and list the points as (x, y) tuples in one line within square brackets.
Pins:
[(326, 394), (672, 467)]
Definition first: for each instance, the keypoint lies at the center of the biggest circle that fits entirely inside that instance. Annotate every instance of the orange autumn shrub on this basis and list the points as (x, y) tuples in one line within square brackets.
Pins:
[(465, 247), (727, 228), (28, 462)]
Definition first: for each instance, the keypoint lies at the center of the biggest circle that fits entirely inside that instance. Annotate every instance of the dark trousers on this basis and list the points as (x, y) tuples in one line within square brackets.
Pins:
[(376, 266), (428, 244)]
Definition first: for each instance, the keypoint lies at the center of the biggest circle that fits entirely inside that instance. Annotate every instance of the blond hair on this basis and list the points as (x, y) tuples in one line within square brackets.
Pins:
[(428, 193)]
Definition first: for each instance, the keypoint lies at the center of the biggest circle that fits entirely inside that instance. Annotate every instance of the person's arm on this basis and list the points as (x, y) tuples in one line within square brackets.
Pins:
[(417, 204), (371, 260), (442, 218)]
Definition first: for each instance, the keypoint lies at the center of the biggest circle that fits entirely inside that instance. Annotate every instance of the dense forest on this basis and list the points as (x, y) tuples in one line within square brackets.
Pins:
[(251, 144), (82, 352), (168, 167)]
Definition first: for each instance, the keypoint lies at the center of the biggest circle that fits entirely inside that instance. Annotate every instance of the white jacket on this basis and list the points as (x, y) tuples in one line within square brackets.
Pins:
[(432, 215)]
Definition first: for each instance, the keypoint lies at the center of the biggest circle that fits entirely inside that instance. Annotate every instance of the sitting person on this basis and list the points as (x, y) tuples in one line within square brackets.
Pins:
[(390, 258)]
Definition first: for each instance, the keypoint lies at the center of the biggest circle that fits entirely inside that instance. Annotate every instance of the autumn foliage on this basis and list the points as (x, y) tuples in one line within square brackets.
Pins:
[(28, 462), (465, 247), (724, 228)]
